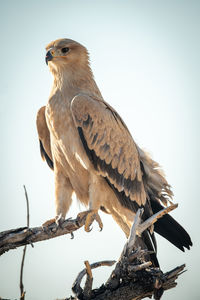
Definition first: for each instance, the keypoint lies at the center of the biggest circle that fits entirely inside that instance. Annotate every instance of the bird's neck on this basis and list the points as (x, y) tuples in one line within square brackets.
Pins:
[(71, 82)]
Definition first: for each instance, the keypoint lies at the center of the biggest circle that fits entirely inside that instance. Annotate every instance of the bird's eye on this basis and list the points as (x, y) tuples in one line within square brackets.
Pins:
[(65, 50)]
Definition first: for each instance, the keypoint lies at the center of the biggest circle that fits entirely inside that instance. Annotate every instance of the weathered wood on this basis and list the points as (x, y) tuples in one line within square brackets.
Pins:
[(133, 278), (150, 221), (14, 238), (76, 288)]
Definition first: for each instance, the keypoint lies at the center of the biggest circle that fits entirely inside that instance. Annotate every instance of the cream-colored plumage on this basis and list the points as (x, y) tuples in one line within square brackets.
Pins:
[(89, 146)]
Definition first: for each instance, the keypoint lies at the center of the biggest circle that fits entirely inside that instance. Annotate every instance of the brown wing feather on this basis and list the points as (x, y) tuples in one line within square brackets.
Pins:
[(44, 137), (155, 184), (114, 153)]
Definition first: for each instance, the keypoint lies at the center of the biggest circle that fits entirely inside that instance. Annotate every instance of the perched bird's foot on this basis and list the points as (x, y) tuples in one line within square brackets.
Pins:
[(48, 223), (59, 220), (90, 216)]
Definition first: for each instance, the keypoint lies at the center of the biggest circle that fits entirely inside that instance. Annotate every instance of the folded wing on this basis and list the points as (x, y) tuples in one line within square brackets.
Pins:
[(44, 137), (109, 146)]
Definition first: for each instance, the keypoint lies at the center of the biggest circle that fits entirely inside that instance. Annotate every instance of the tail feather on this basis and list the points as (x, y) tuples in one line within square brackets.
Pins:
[(171, 229), (158, 190)]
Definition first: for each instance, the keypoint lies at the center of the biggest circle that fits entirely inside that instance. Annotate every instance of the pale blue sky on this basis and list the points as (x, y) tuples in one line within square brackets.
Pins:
[(145, 58)]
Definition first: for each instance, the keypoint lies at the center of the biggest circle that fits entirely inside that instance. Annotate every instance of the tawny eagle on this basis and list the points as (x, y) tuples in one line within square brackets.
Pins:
[(92, 153)]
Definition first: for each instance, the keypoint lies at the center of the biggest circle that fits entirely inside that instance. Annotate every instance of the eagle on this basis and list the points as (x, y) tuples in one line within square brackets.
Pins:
[(92, 153)]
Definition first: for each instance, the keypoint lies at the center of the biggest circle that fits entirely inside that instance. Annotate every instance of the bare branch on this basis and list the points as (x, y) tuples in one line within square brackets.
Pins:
[(89, 280), (139, 267), (131, 240), (27, 207), (134, 277), (22, 292), (150, 221), (21, 285), (76, 288), (14, 238)]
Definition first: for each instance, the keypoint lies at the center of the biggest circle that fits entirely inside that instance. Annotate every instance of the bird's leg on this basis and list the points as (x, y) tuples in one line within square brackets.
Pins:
[(94, 204), (90, 216), (63, 198)]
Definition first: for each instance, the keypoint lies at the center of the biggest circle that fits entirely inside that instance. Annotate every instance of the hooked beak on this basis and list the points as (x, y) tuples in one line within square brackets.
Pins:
[(48, 57)]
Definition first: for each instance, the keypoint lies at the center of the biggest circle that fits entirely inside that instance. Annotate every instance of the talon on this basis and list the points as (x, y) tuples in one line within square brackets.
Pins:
[(88, 229), (90, 216), (98, 219), (59, 221), (72, 235)]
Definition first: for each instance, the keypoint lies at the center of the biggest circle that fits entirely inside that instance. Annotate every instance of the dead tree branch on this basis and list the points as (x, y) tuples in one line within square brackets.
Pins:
[(133, 278), (14, 238), (21, 285), (76, 288)]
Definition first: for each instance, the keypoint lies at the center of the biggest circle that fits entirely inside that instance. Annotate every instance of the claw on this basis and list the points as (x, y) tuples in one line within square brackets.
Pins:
[(59, 221), (90, 216), (88, 229)]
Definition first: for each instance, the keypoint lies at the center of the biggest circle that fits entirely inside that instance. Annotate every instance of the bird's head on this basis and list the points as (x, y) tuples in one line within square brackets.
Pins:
[(65, 53)]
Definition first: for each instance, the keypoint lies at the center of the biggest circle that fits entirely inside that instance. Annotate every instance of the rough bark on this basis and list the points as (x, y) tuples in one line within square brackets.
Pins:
[(133, 278), (14, 238)]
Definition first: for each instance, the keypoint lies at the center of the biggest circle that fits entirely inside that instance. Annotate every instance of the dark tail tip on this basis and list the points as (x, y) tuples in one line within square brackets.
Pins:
[(171, 230)]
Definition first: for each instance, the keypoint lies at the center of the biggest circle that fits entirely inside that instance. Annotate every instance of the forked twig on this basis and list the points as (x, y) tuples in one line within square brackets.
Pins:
[(76, 288)]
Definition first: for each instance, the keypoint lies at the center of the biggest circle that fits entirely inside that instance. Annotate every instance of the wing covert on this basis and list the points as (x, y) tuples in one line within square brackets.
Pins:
[(109, 145)]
